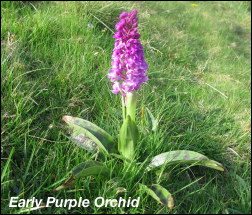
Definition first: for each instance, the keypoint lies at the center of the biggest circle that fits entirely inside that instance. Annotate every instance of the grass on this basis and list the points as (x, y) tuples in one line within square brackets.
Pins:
[(55, 58)]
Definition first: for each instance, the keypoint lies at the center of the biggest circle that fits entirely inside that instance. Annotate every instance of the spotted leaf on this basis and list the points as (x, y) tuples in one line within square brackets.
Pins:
[(183, 157)]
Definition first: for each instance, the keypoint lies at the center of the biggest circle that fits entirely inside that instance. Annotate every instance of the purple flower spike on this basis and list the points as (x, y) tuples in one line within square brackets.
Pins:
[(128, 70)]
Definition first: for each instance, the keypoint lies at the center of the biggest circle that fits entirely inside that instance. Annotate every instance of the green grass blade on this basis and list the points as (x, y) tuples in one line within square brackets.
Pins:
[(7, 164)]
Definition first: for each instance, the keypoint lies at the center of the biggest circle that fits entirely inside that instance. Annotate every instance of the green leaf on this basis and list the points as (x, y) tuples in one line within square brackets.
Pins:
[(84, 129), (85, 169), (83, 141), (128, 138), (153, 122), (66, 184), (184, 157), (159, 193), (121, 157), (89, 168)]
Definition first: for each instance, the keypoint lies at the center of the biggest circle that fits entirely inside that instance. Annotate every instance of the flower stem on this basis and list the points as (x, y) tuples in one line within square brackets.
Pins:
[(123, 107), (131, 99)]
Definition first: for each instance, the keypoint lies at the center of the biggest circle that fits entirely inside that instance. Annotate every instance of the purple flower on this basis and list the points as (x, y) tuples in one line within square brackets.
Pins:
[(128, 70)]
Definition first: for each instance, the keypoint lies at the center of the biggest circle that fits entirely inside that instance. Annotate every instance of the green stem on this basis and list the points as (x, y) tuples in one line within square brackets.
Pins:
[(131, 99), (123, 108)]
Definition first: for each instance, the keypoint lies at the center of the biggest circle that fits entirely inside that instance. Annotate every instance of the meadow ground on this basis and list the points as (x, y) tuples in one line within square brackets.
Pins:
[(55, 58)]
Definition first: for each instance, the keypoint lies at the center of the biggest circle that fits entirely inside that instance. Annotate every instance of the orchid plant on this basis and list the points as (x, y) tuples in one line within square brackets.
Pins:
[(127, 74)]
